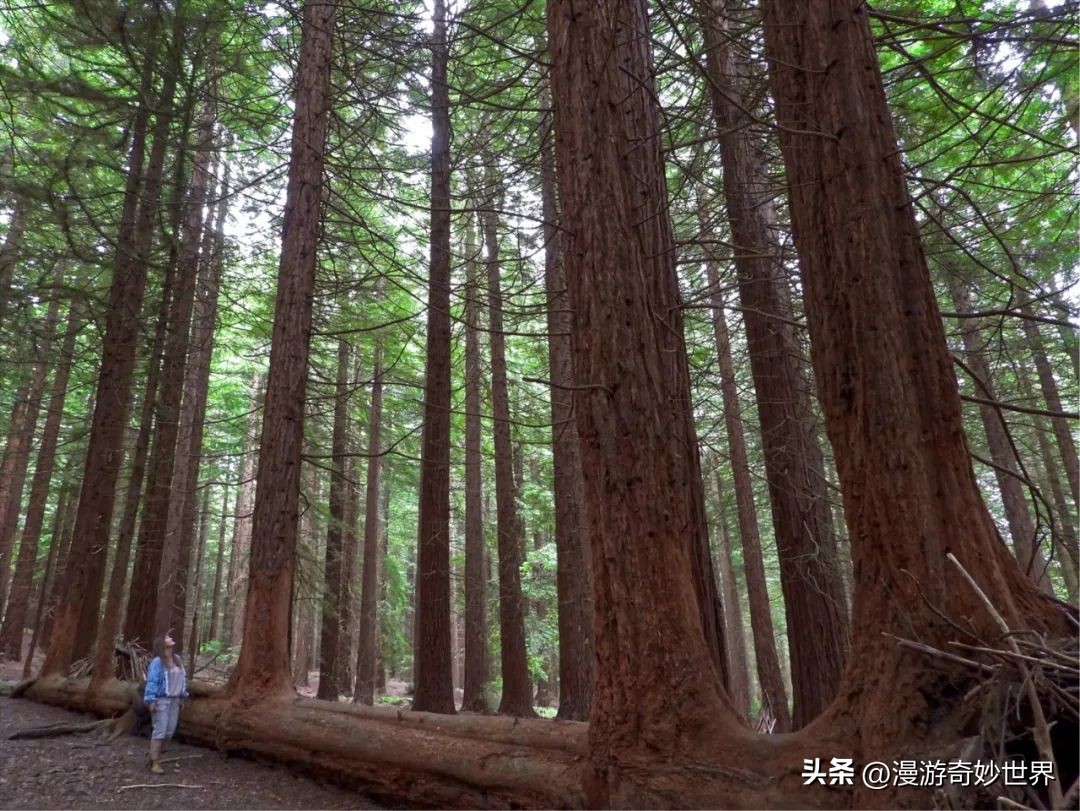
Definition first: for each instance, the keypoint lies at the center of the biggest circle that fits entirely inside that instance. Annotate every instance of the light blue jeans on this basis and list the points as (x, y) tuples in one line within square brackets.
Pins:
[(165, 715)]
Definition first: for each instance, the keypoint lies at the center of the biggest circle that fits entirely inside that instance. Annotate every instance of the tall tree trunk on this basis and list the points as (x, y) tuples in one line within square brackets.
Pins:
[(240, 550), (657, 699), (348, 590), (802, 520), (11, 633), (333, 596), (78, 615), (195, 578), (264, 657), (367, 648), (62, 531), (517, 696), (219, 567), (739, 683), (476, 664), (770, 674), (1048, 384), (887, 386), (573, 578), (22, 429), (433, 675), (1021, 527), (180, 526), (48, 580), (12, 247)]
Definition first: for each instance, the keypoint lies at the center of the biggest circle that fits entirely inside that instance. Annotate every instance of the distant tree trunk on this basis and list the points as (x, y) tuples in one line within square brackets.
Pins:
[(219, 567), (1062, 429), (239, 557), (545, 684), (517, 694), (802, 519), (573, 579), (12, 247), (307, 586), (264, 657), (1021, 527), (78, 614), (18, 602), (48, 580), (180, 526), (770, 674), (739, 682), (384, 580), (346, 658), (195, 578), (476, 664), (367, 649), (62, 529), (21, 431), (333, 593), (658, 700), (433, 664)]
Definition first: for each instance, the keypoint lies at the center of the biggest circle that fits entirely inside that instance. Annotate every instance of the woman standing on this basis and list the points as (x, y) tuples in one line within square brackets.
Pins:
[(166, 688)]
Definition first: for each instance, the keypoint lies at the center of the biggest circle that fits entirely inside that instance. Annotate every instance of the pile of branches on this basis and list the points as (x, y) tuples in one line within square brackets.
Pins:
[(130, 662), (1027, 699)]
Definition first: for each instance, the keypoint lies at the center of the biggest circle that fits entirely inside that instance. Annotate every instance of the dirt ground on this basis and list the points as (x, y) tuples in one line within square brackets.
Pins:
[(80, 771)]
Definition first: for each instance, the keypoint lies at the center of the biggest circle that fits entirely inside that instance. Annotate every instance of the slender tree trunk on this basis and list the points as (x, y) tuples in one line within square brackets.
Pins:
[(333, 595), (21, 432), (476, 665), (62, 529), (12, 247), (367, 649), (264, 657), (802, 520), (196, 579), (1062, 429), (770, 674), (1021, 527), (45, 592), (348, 590), (739, 683), (11, 633), (78, 615), (573, 579), (219, 567), (173, 592), (517, 694), (240, 552), (433, 675)]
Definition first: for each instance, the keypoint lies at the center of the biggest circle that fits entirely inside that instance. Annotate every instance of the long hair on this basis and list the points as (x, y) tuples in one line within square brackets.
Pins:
[(158, 650)]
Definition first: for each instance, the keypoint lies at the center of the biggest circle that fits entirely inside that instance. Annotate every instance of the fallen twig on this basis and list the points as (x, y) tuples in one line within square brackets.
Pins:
[(178, 757), (158, 785)]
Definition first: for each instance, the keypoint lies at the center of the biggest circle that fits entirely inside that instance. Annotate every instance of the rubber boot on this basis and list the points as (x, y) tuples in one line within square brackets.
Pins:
[(155, 757)]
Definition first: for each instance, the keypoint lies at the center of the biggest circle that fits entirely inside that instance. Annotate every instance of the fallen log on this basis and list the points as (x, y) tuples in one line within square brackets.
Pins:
[(56, 730), (412, 758)]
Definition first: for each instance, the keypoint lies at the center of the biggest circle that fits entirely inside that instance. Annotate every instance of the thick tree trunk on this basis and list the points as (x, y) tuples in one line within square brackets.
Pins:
[(802, 520), (1021, 527), (573, 578), (887, 388), (433, 675), (18, 601), (83, 579), (476, 665), (367, 647), (240, 551), (770, 674), (398, 758), (333, 593), (517, 695), (264, 657)]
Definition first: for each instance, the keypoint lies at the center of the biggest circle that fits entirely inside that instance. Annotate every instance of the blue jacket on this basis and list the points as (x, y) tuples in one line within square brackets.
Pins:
[(157, 681)]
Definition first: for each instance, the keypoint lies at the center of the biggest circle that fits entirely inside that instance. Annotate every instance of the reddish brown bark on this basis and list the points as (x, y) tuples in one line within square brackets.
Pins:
[(214, 631), (573, 577), (349, 589), (367, 647), (770, 675), (45, 601), (1021, 527), (18, 601), (332, 602), (517, 686), (240, 551), (475, 634), (433, 664), (77, 615), (12, 247), (264, 657)]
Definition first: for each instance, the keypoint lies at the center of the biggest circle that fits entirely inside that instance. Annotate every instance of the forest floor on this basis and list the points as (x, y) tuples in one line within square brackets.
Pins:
[(81, 771)]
